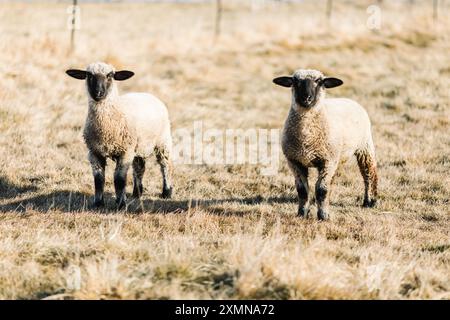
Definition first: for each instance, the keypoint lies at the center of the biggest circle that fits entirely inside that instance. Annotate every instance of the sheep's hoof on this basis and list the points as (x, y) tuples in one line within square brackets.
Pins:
[(369, 204), (167, 193), (99, 204), (121, 204), (303, 212), (137, 193), (322, 215)]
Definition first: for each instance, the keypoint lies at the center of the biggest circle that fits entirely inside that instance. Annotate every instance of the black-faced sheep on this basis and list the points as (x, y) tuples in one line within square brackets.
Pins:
[(125, 128), (320, 132)]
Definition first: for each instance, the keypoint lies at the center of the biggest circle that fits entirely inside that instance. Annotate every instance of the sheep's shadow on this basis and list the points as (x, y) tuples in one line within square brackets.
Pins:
[(212, 205), (74, 201), (10, 190), (65, 201)]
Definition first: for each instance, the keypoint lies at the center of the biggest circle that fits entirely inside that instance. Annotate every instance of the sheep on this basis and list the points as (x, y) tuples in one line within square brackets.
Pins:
[(125, 128), (320, 133)]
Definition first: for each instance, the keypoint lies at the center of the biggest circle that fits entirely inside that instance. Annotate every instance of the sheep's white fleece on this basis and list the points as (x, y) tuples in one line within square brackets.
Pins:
[(150, 118), (348, 125)]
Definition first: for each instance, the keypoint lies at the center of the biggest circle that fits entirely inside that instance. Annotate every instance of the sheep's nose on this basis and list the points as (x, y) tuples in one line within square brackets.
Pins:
[(309, 99)]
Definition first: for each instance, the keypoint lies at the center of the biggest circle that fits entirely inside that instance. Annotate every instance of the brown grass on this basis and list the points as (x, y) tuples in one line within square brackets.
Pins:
[(229, 232)]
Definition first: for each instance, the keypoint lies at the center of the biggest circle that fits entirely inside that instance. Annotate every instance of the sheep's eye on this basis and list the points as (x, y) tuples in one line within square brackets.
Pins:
[(110, 75)]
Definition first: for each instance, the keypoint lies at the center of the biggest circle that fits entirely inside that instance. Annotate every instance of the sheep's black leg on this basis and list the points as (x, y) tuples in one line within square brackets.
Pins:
[(301, 184), (120, 181), (373, 183), (368, 168), (323, 185), (98, 164), (163, 158), (138, 173)]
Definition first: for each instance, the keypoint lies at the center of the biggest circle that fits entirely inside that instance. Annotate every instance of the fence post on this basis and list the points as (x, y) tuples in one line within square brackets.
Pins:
[(329, 9), (74, 17), (435, 9), (219, 10)]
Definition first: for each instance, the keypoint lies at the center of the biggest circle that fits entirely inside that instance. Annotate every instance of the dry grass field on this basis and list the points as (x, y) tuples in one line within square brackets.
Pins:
[(228, 232)]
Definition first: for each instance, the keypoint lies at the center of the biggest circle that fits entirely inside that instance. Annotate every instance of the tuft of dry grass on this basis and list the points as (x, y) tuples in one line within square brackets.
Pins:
[(229, 232)]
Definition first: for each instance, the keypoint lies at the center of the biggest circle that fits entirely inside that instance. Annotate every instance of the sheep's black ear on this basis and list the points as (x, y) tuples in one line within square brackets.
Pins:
[(284, 81), (123, 75), (332, 82), (77, 74)]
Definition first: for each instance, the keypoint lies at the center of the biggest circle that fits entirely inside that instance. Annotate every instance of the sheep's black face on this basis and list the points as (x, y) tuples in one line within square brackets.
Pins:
[(99, 85), (100, 82), (306, 91)]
